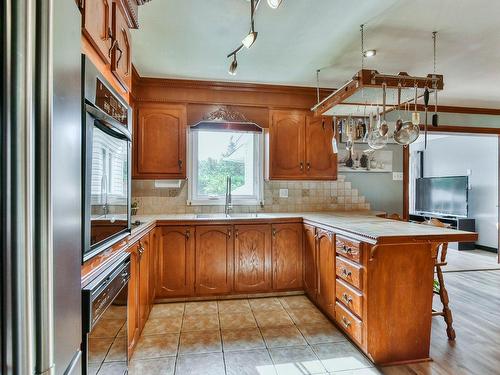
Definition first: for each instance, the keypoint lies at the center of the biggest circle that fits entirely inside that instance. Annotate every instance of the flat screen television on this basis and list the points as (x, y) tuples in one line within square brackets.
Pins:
[(442, 196)]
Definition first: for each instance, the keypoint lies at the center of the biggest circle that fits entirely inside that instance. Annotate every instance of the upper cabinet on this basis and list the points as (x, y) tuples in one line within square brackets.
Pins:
[(300, 147), (97, 26), (121, 58), (160, 142)]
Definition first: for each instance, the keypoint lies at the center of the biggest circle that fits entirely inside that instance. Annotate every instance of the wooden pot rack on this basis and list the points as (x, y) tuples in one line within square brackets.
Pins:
[(363, 93)]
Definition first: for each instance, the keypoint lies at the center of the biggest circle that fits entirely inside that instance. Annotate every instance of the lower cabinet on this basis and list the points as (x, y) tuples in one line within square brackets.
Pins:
[(144, 306), (310, 272), (214, 260), (175, 266), (133, 300), (325, 260), (287, 256), (252, 258)]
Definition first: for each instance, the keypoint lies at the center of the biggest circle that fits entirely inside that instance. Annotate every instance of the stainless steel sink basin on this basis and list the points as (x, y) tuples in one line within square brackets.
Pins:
[(244, 215), (212, 216), (230, 216)]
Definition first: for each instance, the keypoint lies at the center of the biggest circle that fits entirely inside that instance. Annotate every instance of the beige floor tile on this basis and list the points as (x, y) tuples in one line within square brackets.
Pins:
[(162, 310), (201, 308), (265, 304), (113, 368), (251, 362), (206, 322), (123, 331), (282, 336), (92, 368), (200, 364), (273, 318), (118, 351), (237, 320), (200, 342), (157, 366), (156, 346), (116, 312), (155, 326), (296, 361), (98, 348), (242, 339), (296, 302), (362, 371), (107, 328), (321, 333), (340, 356), (233, 306), (307, 316)]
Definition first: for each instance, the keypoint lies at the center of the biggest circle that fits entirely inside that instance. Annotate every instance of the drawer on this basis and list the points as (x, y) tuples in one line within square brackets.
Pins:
[(348, 248), (350, 297), (350, 272), (349, 323)]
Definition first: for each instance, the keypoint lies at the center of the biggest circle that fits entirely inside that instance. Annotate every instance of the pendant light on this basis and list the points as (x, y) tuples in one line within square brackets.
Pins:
[(249, 40), (233, 66), (274, 4)]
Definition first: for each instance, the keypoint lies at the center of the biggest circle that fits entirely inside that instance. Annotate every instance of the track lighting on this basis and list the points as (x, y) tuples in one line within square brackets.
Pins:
[(274, 4), (370, 53), (249, 40), (233, 66)]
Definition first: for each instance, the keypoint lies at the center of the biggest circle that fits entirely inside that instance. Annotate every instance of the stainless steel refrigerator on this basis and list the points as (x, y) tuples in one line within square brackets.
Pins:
[(40, 187)]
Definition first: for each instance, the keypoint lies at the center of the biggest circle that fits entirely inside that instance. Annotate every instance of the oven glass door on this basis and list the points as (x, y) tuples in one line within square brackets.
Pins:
[(109, 185)]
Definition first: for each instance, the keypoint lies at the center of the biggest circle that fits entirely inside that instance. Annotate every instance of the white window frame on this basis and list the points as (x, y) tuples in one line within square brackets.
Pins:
[(237, 200)]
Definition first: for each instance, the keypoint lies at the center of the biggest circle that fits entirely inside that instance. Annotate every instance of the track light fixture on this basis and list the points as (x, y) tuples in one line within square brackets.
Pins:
[(274, 4), (233, 66), (249, 40)]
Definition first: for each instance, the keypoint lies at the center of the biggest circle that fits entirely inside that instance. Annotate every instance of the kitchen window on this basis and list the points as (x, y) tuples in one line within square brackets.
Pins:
[(217, 152)]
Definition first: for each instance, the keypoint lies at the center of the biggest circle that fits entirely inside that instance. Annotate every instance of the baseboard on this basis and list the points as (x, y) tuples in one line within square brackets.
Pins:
[(487, 248)]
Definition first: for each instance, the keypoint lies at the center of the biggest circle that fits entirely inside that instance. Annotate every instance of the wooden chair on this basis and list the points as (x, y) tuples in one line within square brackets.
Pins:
[(441, 289), (395, 217)]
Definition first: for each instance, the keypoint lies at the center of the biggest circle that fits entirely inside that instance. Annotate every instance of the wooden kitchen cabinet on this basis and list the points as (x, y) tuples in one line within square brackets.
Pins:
[(214, 260), (160, 142), (121, 54), (325, 265), (252, 258), (300, 147), (175, 267), (144, 305), (133, 330), (154, 243), (310, 271), (287, 256), (97, 26)]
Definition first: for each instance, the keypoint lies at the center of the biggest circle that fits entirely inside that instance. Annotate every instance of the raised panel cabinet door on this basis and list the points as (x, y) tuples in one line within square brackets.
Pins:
[(154, 239), (310, 272), (96, 26), (175, 267), (133, 300), (287, 145), (252, 258), (143, 281), (121, 58), (214, 260), (325, 253), (287, 256), (321, 162), (160, 142)]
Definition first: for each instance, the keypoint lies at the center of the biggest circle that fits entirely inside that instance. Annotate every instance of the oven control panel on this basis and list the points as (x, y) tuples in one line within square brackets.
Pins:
[(106, 100)]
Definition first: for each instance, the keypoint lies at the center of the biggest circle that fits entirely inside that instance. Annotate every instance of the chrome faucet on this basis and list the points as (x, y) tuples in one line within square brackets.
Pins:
[(229, 205)]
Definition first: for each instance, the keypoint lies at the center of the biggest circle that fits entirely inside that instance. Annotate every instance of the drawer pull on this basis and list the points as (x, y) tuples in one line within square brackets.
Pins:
[(346, 322), (346, 249), (347, 299), (346, 273)]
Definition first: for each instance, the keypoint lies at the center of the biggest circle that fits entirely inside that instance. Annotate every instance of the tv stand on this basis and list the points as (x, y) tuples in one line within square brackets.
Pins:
[(455, 223)]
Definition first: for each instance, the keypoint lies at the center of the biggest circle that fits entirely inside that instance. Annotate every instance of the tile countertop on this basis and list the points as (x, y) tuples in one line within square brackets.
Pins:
[(362, 225)]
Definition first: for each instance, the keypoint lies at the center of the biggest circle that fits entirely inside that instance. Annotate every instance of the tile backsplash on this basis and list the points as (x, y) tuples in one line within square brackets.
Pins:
[(302, 196)]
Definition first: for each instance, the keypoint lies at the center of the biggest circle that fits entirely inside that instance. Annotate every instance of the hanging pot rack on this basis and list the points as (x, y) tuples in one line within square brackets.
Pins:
[(363, 93)]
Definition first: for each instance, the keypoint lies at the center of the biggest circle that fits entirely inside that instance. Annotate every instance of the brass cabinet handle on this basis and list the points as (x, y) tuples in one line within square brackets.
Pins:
[(346, 322), (236, 233), (308, 164), (301, 166), (346, 273), (347, 299), (180, 164), (121, 53), (346, 249), (274, 232), (229, 233), (188, 234)]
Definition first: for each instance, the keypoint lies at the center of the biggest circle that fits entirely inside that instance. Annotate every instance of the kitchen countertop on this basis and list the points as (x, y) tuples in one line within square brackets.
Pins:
[(363, 225)]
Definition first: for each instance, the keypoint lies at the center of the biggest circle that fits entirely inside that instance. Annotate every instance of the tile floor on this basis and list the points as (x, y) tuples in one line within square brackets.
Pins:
[(264, 336)]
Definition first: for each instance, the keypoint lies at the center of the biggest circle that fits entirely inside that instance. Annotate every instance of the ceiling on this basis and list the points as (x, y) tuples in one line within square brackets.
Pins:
[(190, 39)]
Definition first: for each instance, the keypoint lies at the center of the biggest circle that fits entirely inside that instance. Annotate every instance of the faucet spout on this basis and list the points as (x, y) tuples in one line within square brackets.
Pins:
[(229, 205)]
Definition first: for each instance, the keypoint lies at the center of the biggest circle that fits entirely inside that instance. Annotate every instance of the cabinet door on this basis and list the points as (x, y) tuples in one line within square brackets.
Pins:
[(143, 281), (214, 260), (121, 58), (252, 258), (175, 267), (325, 253), (133, 300), (96, 26), (160, 142), (154, 241), (310, 272), (287, 146), (321, 162), (287, 256)]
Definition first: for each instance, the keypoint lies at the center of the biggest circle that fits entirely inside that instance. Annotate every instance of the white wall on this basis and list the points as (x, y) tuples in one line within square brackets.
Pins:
[(452, 156)]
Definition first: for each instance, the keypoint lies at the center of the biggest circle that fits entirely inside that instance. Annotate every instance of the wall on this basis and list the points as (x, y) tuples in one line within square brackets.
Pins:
[(302, 196), (453, 155)]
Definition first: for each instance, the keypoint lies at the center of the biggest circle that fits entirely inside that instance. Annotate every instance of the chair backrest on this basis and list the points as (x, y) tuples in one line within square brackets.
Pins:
[(395, 216), (443, 247)]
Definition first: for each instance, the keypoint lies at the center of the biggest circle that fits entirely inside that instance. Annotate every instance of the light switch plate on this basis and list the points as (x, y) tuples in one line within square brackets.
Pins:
[(397, 176), (283, 193)]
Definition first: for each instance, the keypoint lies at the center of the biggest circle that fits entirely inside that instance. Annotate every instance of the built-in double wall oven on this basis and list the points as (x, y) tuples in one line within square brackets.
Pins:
[(106, 163)]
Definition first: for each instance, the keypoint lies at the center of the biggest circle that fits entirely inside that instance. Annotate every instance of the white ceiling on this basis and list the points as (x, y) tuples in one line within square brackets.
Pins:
[(191, 38)]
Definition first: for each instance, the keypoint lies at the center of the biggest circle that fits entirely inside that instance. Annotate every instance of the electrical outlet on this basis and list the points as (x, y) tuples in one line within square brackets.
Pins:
[(397, 176), (283, 193)]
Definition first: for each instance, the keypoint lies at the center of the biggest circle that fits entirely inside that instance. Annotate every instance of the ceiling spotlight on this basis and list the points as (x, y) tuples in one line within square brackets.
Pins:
[(233, 66), (249, 40), (370, 53), (274, 3)]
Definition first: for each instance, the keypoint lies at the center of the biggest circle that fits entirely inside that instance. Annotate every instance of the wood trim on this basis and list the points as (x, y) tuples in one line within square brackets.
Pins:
[(461, 129), (406, 183)]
